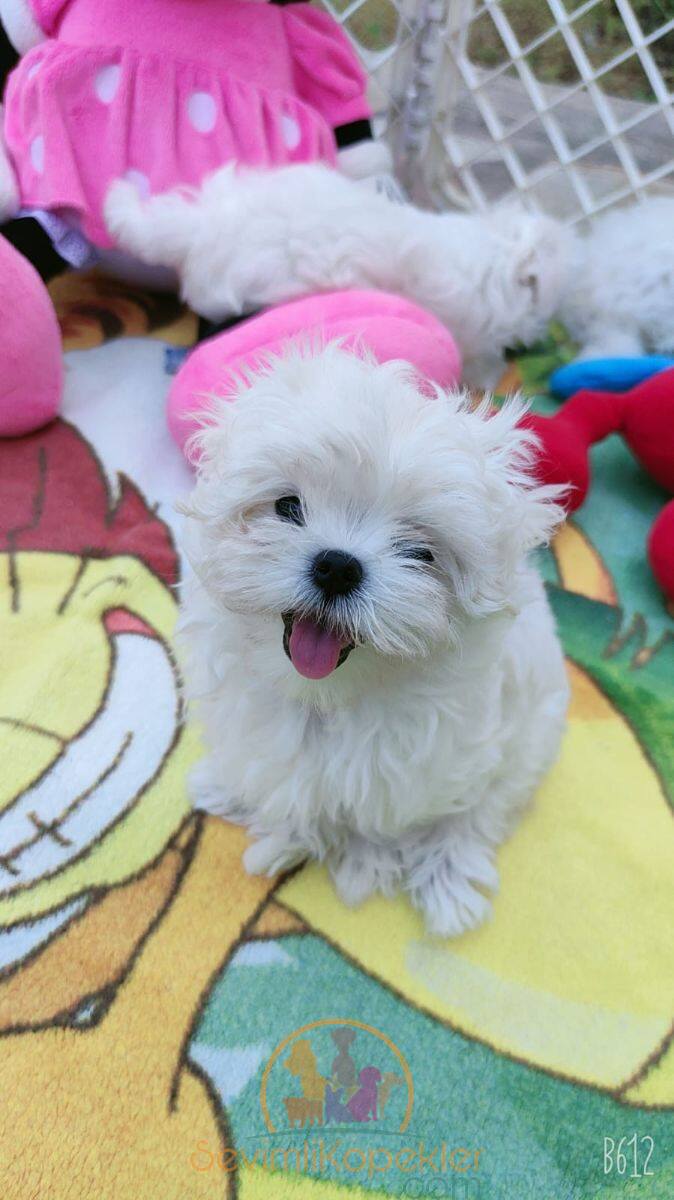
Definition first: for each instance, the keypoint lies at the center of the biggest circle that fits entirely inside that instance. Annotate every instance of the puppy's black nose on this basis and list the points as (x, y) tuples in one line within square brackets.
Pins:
[(336, 573)]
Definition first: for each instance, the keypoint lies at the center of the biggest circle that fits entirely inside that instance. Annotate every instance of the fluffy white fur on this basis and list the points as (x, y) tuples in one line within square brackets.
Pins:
[(621, 295), (409, 764), (251, 238)]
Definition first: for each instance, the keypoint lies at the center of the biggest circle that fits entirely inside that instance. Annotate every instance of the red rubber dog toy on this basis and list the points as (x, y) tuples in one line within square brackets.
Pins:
[(644, 417)]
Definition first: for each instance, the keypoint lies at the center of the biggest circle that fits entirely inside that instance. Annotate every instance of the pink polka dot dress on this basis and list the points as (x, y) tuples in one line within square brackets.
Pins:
[(163, 92)]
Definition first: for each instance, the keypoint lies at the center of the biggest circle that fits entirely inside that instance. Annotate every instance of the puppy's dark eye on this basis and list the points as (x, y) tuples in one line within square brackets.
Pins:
[(289, 508), (415, 553)]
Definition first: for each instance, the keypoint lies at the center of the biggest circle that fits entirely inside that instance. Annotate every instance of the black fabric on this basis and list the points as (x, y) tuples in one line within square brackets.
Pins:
[(30, 239), (354, 131), (208, 329)]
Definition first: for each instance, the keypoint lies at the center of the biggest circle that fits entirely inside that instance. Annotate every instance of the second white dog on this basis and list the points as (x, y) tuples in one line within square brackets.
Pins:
[(620, 299), (374, 662), (252, 238)]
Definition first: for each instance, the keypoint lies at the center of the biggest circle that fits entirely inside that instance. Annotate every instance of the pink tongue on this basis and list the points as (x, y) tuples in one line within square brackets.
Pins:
[(314, 651)]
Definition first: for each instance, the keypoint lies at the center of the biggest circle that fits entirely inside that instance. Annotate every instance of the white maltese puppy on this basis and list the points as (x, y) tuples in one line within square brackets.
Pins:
[(252, 238), (373, 660), (621, 298)]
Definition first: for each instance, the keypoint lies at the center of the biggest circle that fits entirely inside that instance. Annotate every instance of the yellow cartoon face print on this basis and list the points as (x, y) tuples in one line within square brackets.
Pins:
[(92, 734)]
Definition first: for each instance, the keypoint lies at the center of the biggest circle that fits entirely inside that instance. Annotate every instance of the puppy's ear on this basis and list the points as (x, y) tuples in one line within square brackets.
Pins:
[(543, 257), (209, 447), (538, 254), (530, 511)]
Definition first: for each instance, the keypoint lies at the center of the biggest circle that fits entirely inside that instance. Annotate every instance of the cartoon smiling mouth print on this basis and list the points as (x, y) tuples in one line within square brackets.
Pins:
[(102, 771), (91, 787)]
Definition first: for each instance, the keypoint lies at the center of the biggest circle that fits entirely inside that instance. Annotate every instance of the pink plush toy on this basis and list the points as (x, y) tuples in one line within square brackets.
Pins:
[(386, 326), (160, 92), (32, 364), (163, 92)]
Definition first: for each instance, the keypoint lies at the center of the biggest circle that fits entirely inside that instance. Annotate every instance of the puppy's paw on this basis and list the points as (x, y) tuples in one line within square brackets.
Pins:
[(271, 854), (353, 884), (451, 906), (447, 889), (364, 868)]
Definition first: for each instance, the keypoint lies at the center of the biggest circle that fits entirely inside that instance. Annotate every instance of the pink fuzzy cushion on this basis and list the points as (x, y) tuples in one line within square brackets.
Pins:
[(32, 361), (387, 326)]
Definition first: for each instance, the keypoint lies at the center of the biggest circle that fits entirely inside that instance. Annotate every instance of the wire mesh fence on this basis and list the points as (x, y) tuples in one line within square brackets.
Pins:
[(569, 105)]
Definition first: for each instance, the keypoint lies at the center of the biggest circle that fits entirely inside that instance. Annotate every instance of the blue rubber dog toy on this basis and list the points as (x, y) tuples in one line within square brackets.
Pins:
[(606, 374)]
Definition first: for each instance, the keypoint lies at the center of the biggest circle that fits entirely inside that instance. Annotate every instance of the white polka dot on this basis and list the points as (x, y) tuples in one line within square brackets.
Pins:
[(107, 82), (32, 71), (140, 182), (37, 154), (292, 134), (202, 112)]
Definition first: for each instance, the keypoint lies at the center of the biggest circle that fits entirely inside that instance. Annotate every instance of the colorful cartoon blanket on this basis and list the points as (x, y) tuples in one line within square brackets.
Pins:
[(172, 1029)]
